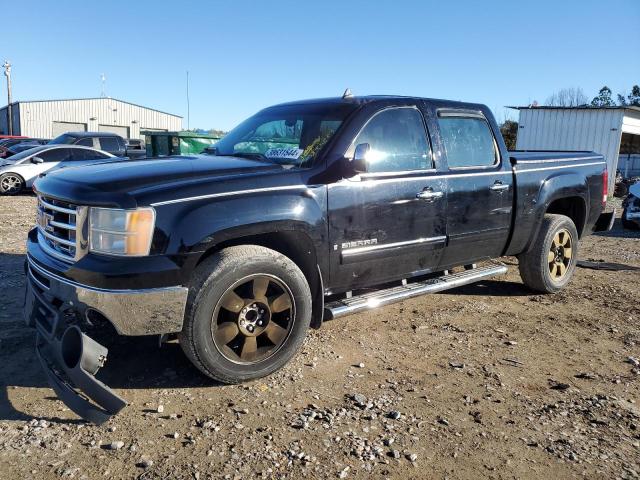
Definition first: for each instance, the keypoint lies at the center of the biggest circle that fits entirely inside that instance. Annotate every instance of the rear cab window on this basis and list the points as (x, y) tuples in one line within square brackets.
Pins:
[(468, 140)]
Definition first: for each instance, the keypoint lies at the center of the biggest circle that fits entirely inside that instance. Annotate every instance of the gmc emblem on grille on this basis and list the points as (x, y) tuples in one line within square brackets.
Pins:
[(44, 219)]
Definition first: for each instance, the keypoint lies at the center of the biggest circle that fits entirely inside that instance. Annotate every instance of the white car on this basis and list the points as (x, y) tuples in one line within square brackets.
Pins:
[(22, 169)]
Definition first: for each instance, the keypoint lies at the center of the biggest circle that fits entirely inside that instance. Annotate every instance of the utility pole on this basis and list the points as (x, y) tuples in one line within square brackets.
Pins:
[(103, 79), (7, 73), (188, 108)]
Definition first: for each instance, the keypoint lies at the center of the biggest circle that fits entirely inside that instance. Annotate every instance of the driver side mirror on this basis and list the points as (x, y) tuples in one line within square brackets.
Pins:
[(36, 160), (359, 161)]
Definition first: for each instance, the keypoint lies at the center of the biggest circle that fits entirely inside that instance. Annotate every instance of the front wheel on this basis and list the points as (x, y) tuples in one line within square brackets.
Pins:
[(11, 184), (248, 311), (550, 263)]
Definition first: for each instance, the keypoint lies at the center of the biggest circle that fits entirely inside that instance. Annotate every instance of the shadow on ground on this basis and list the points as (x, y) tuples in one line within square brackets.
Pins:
[(617, 231), (492, 288), (133, 362)]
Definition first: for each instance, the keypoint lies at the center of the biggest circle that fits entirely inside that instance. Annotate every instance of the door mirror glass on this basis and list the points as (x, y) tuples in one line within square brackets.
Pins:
[(359, 161), (36, 160)]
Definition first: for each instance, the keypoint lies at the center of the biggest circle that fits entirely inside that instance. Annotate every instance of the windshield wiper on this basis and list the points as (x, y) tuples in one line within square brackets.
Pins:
[(250, 155)]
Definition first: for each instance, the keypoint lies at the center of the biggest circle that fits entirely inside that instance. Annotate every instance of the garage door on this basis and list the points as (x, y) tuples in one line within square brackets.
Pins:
[(58, 128), (117, 129)]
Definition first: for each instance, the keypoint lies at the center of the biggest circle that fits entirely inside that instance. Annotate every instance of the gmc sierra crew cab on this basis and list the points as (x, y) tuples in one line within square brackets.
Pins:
[(306, 211)]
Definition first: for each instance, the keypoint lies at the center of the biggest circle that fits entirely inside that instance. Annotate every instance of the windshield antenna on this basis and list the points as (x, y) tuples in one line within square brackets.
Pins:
[(347, 93)]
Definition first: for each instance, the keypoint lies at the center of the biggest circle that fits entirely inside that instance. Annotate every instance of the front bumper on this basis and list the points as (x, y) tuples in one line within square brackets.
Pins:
[(132, 312), (55, 306)]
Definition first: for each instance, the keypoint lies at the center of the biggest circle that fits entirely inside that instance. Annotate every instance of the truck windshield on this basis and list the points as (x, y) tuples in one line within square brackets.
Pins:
[(288, 135)]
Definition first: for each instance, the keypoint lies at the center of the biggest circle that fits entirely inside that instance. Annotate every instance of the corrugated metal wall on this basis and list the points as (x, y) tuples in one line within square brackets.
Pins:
[(629, 165), (15, 113), (36, 118), (573, 129), (631, 122)]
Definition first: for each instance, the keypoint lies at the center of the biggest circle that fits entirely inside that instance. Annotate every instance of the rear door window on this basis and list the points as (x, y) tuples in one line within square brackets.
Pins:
[(109, 144), (87, 142), (468, 141), (80, 154)]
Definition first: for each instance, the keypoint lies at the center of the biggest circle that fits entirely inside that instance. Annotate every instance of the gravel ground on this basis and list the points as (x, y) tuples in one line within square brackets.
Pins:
[(487, 380)]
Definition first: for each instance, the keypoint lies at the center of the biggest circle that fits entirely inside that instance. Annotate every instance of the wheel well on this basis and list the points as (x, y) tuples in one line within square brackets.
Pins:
[(24, 183), (572, 207), (12, 173), (294, 245)]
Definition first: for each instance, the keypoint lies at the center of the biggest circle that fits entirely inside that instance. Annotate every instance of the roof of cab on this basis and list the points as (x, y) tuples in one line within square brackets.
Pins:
[(92, 134), (361, 100)]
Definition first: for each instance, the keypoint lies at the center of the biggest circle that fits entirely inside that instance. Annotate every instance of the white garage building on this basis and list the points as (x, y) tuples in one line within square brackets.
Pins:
[(50, 118), (611, 131)]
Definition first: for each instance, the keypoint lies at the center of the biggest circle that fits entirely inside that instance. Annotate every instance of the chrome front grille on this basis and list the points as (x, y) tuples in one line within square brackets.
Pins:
[(60, 228)]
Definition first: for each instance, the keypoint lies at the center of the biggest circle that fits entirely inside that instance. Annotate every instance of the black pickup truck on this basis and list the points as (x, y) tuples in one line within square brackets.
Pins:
[(305, 212)]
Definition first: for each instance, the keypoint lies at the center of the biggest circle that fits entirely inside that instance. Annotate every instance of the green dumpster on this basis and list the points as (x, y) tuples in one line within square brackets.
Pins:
[(160, 144)]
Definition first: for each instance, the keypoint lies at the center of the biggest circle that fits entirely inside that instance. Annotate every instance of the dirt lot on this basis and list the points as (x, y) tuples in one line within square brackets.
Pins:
[(483, 381)]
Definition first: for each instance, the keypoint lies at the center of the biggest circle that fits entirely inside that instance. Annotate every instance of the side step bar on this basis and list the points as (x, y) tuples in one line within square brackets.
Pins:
[(356, 304)]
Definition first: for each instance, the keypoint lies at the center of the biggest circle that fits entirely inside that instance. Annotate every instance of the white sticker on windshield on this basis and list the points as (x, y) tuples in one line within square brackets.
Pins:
[(287, 153)]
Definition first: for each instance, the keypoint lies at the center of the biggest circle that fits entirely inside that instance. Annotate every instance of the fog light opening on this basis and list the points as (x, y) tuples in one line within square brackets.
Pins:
[(71, 347)]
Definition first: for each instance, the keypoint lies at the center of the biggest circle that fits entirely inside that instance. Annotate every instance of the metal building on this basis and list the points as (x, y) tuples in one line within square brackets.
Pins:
[(611, 131), (50, 118)]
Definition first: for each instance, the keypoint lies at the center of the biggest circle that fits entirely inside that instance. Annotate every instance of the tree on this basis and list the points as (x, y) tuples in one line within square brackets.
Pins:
[(567, 97), (509, 130), (634, 97), (603, 99), (622, 100)]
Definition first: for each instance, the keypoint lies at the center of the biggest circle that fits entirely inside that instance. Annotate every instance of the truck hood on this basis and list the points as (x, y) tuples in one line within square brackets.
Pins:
[(121, 183)]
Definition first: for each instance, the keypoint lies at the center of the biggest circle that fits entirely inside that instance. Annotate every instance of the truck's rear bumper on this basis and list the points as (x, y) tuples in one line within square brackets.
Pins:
[(605, 221)]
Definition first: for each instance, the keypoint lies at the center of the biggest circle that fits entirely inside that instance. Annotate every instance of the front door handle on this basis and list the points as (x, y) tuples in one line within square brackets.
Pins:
[(429, 194), (499, 187)]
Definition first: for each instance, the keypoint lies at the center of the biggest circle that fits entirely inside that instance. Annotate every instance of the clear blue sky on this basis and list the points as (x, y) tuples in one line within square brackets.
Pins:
[(245, 55)]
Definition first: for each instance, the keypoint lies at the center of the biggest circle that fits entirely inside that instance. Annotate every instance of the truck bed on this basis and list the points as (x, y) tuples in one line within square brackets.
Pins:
[(542, 177)]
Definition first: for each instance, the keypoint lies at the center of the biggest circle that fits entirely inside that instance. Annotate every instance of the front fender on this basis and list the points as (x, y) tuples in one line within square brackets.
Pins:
[(198, 226)]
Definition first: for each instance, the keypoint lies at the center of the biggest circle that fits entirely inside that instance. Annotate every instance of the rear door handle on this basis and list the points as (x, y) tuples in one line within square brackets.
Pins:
[(499, 187), (429, 194)]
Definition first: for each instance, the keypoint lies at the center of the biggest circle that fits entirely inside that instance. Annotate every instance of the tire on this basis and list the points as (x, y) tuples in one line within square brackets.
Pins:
[(620, 190), (540, 267), (11, 184), (628, 224), (217, 330)]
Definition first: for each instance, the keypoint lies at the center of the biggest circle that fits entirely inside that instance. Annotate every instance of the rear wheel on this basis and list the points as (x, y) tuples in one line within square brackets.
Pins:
[(550, 263), (11, 184), (248, 312)]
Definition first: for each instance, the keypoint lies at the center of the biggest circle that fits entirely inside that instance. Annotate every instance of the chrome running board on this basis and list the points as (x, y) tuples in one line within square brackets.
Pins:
[(367, 301)]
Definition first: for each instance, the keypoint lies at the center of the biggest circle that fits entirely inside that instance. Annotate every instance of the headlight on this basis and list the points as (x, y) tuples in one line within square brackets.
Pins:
[(121, 232)]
